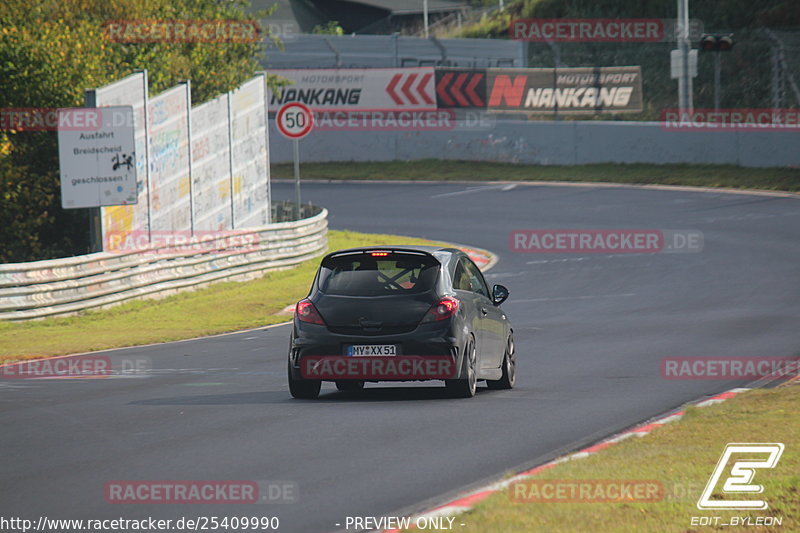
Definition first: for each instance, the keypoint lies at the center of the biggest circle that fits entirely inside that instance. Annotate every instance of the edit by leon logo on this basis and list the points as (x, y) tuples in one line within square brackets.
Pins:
[(740, 480)]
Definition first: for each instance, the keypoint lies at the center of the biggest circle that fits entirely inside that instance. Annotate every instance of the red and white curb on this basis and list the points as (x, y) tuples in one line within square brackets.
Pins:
[(794, 381), (484, 259), (468, 501)]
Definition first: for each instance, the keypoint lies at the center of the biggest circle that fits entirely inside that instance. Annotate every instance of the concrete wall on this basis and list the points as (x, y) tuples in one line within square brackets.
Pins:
[(550, 143)]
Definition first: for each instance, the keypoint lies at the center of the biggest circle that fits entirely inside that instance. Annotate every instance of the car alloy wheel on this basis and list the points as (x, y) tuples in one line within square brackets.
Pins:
[(509, 377)]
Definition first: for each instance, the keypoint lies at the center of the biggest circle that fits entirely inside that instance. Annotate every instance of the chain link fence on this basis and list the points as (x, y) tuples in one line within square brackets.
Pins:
[(761, 71)]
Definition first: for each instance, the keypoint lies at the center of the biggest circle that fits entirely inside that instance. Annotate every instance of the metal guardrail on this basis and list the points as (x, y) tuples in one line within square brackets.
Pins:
[(67, 286)]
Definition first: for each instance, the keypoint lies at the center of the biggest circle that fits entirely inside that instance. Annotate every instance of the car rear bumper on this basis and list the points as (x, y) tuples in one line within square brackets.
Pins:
[(394, 368), (316, 353)]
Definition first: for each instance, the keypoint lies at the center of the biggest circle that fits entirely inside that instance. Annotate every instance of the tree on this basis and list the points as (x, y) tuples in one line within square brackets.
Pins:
[(50, 52)]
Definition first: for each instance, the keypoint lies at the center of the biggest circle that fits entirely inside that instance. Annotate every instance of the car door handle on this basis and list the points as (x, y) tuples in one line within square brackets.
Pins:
[(484, 312)]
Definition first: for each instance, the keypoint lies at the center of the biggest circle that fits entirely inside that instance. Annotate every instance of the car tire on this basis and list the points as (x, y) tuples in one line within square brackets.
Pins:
[(466, 387), (509, 377), (306, 389), (349, 385)]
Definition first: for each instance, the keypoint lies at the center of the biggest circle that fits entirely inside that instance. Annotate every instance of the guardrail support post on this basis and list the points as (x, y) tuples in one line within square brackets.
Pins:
[(335, 52)]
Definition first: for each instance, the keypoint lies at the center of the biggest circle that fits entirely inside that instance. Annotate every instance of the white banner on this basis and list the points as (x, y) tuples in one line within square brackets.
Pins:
[(129, 91), (211, 169), (250, 155), (358, 89), (167, 120)]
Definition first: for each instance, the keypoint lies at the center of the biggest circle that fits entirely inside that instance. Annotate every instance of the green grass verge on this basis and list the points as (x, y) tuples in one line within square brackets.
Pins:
[(218, 308), (681, 456), (779, 178)]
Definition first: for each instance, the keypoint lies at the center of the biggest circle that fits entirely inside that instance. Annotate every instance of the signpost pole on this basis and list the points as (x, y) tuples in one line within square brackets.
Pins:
[(296, 149), (294, 121), (95, 230), (684, 45), (95, 213), (717, 80), (425, 16)]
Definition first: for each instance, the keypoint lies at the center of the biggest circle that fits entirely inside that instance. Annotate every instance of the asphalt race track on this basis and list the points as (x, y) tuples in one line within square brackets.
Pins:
[(591, 331)]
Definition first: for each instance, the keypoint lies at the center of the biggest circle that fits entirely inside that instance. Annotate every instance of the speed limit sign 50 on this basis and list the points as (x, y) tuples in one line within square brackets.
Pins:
[(294, 120)]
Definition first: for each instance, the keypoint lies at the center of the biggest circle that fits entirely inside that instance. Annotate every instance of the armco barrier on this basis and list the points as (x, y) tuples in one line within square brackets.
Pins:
[(70, 285)]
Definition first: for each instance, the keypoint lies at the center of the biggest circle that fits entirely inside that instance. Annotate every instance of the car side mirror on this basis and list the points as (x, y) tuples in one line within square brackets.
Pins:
[(499, 294)]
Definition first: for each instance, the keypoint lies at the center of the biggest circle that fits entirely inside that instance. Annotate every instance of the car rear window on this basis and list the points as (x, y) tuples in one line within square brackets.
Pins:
[(371, 274)]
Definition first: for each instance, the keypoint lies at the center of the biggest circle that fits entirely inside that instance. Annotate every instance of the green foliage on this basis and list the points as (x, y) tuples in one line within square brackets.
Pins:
[(488, 26), (30, 210), (777, 178), (332, 27), (50, 52)]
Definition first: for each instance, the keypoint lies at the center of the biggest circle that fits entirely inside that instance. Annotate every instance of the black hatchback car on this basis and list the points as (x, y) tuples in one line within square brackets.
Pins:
[(400, 314)]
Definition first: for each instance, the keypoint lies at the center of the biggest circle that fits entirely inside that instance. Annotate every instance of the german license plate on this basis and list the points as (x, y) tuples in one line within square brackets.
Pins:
[(367, 350)]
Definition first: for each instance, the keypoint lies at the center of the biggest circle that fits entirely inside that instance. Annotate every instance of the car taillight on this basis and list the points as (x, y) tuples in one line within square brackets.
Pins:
[(441, 310), (306, 312)]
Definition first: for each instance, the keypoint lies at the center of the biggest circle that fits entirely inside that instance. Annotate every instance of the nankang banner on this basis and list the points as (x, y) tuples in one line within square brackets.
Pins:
[(408, 89), (587, 90)]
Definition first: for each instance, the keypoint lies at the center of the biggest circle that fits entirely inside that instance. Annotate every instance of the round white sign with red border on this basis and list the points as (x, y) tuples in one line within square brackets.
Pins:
[(295, 120)]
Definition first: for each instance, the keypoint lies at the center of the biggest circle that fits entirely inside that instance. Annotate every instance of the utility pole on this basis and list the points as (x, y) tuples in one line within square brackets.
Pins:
[(685, 89), (425, 16)]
